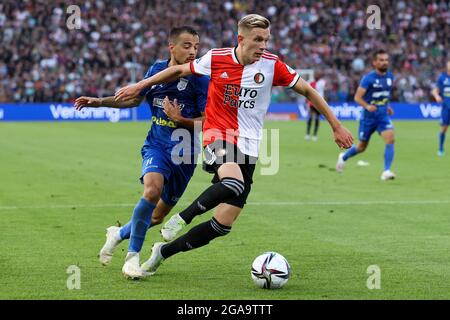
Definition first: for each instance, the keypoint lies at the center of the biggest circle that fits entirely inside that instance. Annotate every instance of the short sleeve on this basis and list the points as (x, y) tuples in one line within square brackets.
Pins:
[(202, 65), (284, 75), (202, 92), (147, 75), (365, 82)]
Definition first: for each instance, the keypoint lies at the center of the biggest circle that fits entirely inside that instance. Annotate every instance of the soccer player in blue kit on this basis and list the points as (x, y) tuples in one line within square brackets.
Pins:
[(168, 156), (442, 95), (373, 94)]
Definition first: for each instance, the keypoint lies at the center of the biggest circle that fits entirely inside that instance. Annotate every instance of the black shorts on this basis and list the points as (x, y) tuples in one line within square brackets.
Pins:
[(220, 152)]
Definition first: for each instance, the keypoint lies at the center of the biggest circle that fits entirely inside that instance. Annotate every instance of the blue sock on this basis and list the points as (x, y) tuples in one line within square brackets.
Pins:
[(140, 222), (441, 141), (388, 156), (125, 231), (350, 153)]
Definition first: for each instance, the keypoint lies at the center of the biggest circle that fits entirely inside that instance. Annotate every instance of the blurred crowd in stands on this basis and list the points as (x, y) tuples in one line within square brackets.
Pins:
[(41, 59)]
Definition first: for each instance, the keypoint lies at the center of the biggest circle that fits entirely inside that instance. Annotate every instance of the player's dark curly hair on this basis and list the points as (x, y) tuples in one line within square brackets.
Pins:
[(175, 32), (377, 52)]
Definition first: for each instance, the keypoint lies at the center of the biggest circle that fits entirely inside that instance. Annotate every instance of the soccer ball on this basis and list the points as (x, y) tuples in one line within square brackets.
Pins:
[(270, 270)]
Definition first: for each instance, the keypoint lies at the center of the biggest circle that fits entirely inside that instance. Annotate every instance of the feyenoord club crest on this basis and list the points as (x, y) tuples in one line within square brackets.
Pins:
[(259, 77), (182, 84)]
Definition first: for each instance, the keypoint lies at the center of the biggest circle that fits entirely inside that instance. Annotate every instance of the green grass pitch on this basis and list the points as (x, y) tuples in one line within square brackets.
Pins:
[(62, 184)]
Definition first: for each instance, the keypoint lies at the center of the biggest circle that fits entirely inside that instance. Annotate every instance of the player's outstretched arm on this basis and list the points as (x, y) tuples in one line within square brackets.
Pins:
[(360, 92), (170, 74), (342, 136), (94, 102)]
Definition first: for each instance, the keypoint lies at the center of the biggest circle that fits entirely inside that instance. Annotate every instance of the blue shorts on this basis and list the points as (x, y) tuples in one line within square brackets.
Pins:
[(176, 176), (369, 125), (445, 116)]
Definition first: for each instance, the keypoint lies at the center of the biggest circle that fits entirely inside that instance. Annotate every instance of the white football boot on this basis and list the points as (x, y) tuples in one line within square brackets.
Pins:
[(340, 164), (387, 175), (149, 267), (112, 241), (131, 268), (172, 227)]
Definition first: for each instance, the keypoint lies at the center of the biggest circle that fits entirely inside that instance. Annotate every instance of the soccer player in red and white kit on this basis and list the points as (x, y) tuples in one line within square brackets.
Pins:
[(313, 114), (238, 97)]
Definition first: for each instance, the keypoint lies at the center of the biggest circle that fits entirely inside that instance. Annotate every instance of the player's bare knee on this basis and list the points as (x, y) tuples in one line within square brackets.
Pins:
[(152, 193), (361, 147), (390, 139), (230, 170)]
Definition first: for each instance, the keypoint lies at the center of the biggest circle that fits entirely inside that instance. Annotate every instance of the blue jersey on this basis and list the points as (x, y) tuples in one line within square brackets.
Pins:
[(378, 93), (190, 92), (443, 85)]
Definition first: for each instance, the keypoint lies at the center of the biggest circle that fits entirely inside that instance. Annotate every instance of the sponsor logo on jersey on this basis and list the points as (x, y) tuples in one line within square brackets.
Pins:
[(163, 122), (380, 102), (158, 102), (182, 84), (233, 94), (259, 78), (446, 92), (380, 94), (224, 75)]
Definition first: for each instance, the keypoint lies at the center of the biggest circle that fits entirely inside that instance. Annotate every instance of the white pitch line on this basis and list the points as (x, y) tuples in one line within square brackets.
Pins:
[(262, 203), (341, 203), (69, 206)]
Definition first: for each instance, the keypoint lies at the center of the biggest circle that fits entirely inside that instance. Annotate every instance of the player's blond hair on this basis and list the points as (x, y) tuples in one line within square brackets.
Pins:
[(252, 21)]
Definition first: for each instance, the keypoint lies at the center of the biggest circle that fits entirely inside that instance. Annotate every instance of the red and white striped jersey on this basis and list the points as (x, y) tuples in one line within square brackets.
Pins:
[(239, 96)]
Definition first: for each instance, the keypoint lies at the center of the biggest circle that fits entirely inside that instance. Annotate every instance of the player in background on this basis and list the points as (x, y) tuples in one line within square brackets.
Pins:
[(373, 94), (313, 115), (442, 95), (238, 97), (164, 180)]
